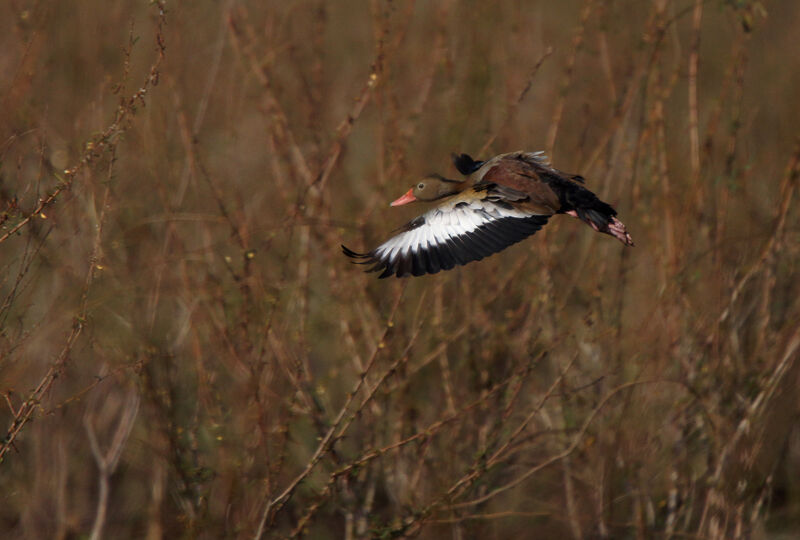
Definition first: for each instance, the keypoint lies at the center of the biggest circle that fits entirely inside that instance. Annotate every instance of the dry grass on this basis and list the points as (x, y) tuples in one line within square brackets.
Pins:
[(184, 352)]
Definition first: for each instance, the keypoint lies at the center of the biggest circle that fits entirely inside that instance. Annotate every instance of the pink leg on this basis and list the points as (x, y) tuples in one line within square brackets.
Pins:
[(615, 228)]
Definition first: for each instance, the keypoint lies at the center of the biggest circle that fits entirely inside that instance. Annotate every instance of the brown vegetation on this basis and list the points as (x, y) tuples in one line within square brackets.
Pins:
[(184, 351)]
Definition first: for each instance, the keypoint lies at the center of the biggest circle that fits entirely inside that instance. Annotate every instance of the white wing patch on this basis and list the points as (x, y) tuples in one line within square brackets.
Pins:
[(442, 224), (464, 229)]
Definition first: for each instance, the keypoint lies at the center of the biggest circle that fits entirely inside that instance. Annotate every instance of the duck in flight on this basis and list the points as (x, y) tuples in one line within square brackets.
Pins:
[(500, 202)]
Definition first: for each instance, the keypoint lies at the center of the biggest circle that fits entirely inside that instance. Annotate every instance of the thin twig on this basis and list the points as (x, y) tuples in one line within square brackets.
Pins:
[(274, 505), (563, 90), (566, 452), (512, 109), (107, 461), (106, 140)]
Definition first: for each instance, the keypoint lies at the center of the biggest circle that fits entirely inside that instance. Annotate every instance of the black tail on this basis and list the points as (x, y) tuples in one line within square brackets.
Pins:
[(597, 215), (581, 203), (465, 164)]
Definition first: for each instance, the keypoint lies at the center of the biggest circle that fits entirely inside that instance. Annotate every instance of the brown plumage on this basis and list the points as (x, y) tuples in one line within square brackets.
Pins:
[(500, 202)]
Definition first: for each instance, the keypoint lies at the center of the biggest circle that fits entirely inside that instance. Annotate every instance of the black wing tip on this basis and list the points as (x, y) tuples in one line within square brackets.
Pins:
[(378, 265), (465, 164), (415, 265), (353, 254), (360, 258), (485, 241)]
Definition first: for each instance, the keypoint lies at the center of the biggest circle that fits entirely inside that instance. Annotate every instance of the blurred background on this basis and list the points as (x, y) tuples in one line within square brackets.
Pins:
[(185, 352)]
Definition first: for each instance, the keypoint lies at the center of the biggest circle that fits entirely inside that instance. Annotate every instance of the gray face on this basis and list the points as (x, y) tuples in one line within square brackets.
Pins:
[(427, 189), (432, 188)]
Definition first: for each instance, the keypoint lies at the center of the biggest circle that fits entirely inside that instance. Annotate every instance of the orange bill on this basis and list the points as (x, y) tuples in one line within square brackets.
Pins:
[(405, 199)]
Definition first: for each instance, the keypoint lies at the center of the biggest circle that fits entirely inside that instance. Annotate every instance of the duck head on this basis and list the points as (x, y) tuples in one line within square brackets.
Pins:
[(430, 188)]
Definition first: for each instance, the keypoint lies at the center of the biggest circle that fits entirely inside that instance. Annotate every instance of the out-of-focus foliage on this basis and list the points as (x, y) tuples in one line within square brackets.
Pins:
[(185, 352)]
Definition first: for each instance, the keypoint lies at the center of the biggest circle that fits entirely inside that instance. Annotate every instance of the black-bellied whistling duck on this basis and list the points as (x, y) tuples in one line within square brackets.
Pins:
[(502, 201)]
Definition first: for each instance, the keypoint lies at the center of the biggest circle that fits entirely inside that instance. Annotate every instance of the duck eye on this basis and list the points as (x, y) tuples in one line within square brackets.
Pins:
[(420, 186)]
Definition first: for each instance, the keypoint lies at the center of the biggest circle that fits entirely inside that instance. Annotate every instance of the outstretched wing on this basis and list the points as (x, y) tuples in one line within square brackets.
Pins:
[(457, 233)]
